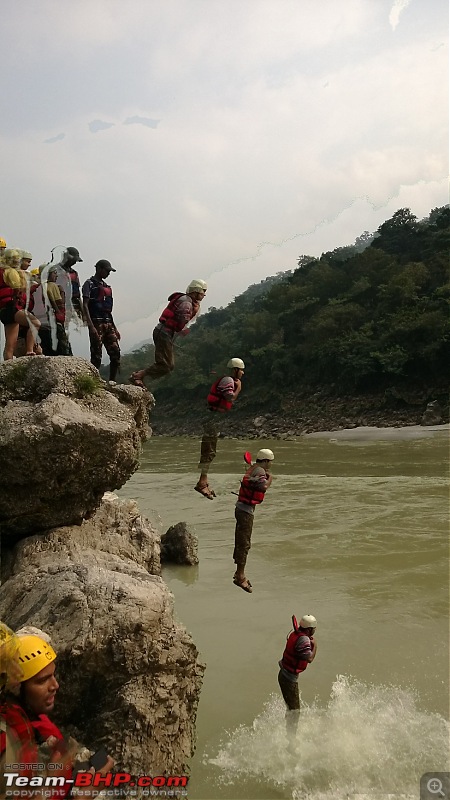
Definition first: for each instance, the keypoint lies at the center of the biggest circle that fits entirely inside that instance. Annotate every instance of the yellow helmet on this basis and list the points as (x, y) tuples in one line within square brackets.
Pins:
[(34, 655), (2, 242)]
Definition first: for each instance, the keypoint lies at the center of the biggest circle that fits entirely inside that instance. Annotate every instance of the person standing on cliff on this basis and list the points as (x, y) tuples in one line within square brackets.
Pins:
[(97, 307), (252, 491), (221, 397), (182, 309), (300, 650)]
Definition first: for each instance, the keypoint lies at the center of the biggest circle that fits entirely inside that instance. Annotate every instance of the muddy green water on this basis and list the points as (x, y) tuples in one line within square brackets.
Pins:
[(356, 533)]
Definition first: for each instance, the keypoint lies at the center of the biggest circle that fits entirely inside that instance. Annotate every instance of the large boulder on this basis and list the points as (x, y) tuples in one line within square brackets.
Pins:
[(179, 545), (129, 674), (432, 414), (66, 437)]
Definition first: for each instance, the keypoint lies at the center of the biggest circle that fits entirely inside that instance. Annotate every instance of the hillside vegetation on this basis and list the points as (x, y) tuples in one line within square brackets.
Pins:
[(365, 319)]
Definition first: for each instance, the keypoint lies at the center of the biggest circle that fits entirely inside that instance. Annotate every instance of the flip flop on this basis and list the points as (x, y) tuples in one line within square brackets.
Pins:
[(205, 491), (245, 585), (137, 382)]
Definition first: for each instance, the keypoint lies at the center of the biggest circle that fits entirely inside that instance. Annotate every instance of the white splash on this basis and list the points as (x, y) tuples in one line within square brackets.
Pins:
[(396, 10), (369, 741)]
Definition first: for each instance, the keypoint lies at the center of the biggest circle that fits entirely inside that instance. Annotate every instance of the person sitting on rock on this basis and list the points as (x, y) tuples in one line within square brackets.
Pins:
[(182, 309), (221, 397), (33, 693)]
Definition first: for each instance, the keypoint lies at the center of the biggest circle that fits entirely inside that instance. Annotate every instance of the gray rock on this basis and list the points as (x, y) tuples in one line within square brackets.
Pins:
[(66, 437), (129, 674), (258, 422), (179, 545), (432, 414)]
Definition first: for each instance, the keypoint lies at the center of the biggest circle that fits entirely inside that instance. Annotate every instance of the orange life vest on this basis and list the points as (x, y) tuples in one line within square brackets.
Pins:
[(248, 493), (216, 400), (168, 317)]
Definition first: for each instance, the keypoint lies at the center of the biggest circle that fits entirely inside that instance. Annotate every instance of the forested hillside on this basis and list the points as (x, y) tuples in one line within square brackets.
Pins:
[(372, 317)]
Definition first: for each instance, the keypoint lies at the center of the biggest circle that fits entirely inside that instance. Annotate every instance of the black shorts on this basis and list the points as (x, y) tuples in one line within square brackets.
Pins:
[(8, 312)]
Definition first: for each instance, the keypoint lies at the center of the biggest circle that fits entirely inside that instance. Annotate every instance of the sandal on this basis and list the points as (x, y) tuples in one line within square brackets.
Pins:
[(205, 491), (137, 381), (245, 584)]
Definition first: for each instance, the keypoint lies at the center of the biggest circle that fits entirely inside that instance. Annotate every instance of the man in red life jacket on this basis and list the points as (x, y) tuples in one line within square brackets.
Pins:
[(221, 397), (300, 650), (98, 305), (173, 320), (253, 487), (36, 690)]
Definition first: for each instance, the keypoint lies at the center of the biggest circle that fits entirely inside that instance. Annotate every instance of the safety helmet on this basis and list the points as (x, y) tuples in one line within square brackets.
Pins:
[(34, 655), (308, 621), (196, 285), (236, 363), (35, 272), (2, 242), (26, 254), (265, 455)]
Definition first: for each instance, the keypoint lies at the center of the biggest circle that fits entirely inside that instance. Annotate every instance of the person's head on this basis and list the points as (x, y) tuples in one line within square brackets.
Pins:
[(52, 275), (26, 259), (265, 458), (238, 366), (2, 246), (38, 685), (308, 624), (197, 289), (12, 258), (103, 268), (71, 257)]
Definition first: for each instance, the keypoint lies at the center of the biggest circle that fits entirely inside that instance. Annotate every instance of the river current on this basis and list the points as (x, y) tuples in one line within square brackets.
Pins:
[(355, 531)]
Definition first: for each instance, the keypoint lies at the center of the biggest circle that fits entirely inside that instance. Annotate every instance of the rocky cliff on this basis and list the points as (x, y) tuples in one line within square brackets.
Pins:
[(85, 566)]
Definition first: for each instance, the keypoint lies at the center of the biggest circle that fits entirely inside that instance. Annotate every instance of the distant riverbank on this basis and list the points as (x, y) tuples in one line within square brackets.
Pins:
[(305, 415)]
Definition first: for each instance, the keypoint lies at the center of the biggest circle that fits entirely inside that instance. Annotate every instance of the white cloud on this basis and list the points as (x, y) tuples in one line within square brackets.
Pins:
[(245, 145), (396, 10)]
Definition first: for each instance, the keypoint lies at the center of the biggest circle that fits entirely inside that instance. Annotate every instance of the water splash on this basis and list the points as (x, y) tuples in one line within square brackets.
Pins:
[(368, 742)]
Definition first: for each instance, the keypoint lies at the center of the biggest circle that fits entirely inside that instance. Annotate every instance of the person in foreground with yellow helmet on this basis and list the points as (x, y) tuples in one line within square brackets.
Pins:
[(221, 397), (31, 697), (252, 491), (182, 309)]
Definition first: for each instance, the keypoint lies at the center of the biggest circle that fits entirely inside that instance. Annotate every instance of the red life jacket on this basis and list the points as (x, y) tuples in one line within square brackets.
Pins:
[(168, 318), (248, 493), (290, 660), (6, 293), (216, 400), (21, 736), (43, 728), (25, 735)]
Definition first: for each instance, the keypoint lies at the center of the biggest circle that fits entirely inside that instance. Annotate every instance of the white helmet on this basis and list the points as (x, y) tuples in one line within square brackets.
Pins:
[(308, 621), (236, 363), (196, 285), (265, 455)]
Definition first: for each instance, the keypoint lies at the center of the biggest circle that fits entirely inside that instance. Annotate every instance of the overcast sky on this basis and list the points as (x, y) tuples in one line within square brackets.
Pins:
[(217, 139)]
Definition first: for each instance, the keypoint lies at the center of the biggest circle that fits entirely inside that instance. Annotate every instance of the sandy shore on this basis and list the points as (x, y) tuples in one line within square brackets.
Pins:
[(367, 434)]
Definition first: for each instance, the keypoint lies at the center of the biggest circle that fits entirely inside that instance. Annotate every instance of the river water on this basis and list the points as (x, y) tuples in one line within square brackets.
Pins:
[(355, 531)]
